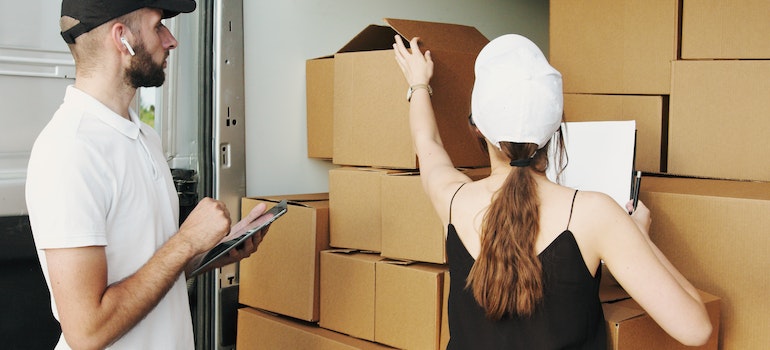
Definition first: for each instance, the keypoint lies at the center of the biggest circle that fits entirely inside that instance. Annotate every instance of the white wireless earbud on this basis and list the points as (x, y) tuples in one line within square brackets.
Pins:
[(127, 45)]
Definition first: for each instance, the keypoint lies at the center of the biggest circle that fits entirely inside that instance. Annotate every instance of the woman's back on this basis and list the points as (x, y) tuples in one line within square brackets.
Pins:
[(569, 316)]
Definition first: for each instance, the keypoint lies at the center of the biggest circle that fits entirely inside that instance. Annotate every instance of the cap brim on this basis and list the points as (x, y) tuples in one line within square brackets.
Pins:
[(172, 8)]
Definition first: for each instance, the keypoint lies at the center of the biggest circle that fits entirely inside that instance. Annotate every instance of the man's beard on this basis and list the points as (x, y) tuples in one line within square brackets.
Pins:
[(144, 72)]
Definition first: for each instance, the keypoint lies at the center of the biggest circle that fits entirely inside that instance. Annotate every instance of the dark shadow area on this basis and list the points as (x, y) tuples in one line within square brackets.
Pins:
[(26, 321)]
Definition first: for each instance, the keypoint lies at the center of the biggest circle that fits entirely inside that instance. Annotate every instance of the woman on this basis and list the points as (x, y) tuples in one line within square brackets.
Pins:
[(524, 253)]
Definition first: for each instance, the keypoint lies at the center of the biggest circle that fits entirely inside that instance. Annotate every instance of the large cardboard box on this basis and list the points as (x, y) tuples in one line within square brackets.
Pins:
[(261, 330), (614, 46), (649, 112), (411, 229), (355, 203), (371, 126), (283, 275), (347, 292), (319, 87), (629, 327), (723, 29), (409, 305), (719, 120), (716, 234)]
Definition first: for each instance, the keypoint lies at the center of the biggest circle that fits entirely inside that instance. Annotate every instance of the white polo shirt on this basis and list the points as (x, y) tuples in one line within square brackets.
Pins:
[(97, 179)]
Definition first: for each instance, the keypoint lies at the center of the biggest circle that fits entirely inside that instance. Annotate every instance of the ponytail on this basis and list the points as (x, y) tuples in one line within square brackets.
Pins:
[(506, 278)]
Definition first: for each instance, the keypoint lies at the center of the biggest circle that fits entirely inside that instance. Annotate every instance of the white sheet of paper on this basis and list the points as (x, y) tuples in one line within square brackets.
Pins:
[(601, 158)]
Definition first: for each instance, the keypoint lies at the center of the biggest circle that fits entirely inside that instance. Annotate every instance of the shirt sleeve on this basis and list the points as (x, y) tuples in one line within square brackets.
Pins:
[(68, 194)]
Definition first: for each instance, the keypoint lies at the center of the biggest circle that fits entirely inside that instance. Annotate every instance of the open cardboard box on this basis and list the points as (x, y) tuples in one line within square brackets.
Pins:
[(630, 328), (371, 126), (283, 276)]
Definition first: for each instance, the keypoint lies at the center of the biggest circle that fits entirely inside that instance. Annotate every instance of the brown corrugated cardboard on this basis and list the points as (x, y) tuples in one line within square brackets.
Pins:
[(371, 125), (408, 305), (647, 111), (283, 275), (261, 330), (411, 229), (719, 120), (716, 234), (319, 87), (444, 340), (355, 207), (614, 46), (725, 29), (347, 292), (630, 328)]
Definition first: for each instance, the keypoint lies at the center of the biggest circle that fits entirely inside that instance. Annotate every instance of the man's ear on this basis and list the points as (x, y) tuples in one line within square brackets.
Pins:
[(121, 37)]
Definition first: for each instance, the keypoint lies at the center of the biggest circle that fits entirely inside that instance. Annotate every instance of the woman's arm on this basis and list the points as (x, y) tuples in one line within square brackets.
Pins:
[(437, 172), (645, 273)]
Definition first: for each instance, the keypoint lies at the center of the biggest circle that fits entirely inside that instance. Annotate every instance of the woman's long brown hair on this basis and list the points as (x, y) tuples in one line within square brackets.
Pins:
[(506, 278)]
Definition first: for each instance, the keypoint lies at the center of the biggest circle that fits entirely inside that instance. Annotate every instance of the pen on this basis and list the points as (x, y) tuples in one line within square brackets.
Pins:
[(637, 185)]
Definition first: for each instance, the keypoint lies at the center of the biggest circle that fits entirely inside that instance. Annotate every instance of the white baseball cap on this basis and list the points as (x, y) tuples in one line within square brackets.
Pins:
[(517, 96)]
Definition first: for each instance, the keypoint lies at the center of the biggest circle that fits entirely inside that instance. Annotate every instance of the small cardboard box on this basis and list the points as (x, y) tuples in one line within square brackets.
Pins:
[(649, 112), (283, 275), (716, 234), (409, 304), (719, 120), (319, 86), (355, 201), (347, 292), (724, 29), (371, 126), (411, 229), (614, 46), (261, 330), (630, 328)]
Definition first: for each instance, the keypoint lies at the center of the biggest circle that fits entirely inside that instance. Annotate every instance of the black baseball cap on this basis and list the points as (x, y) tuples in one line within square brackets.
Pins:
[(93, 13)]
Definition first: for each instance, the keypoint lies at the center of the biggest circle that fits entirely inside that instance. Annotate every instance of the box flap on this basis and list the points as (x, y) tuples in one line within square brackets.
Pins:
[(296, 199), (373, 37), (433, 36), (615, 313), (440, 36), (612, 293)]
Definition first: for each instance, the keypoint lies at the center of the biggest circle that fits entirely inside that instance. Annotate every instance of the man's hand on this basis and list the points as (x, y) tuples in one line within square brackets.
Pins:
[(207, 225)]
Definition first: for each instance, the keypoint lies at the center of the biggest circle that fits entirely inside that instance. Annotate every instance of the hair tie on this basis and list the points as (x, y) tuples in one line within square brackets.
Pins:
[(521, 163)]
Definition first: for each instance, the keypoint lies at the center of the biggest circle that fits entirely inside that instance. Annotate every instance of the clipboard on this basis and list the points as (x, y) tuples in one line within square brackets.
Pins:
[(255, 226)]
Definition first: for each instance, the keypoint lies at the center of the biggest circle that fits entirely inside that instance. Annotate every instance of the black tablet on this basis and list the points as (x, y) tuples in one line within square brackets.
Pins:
[(255, 226)]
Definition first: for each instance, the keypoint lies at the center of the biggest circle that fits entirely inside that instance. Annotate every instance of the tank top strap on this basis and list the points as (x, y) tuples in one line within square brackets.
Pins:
[(570, 209), (452, 201)]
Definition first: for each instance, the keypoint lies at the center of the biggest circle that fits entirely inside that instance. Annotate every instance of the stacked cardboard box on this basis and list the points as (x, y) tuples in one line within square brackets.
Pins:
[(693, 75), (377, 274)]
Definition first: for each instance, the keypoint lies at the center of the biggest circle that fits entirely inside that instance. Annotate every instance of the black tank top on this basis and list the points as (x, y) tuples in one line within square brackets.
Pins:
[(568, 317)]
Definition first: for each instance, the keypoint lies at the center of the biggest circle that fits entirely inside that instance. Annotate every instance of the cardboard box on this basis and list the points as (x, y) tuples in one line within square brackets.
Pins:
[(719, 119), (629, 327), (319, 88), (408, 307), (261, 330), (725, 29), (347, 292), (283, 275), (355, 203), (614, 46), (716, 234), (371, 126), (649, 112), (411, 229)]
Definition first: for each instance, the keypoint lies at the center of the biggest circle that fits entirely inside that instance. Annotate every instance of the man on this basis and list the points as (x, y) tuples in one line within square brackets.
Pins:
[(100, 196)]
